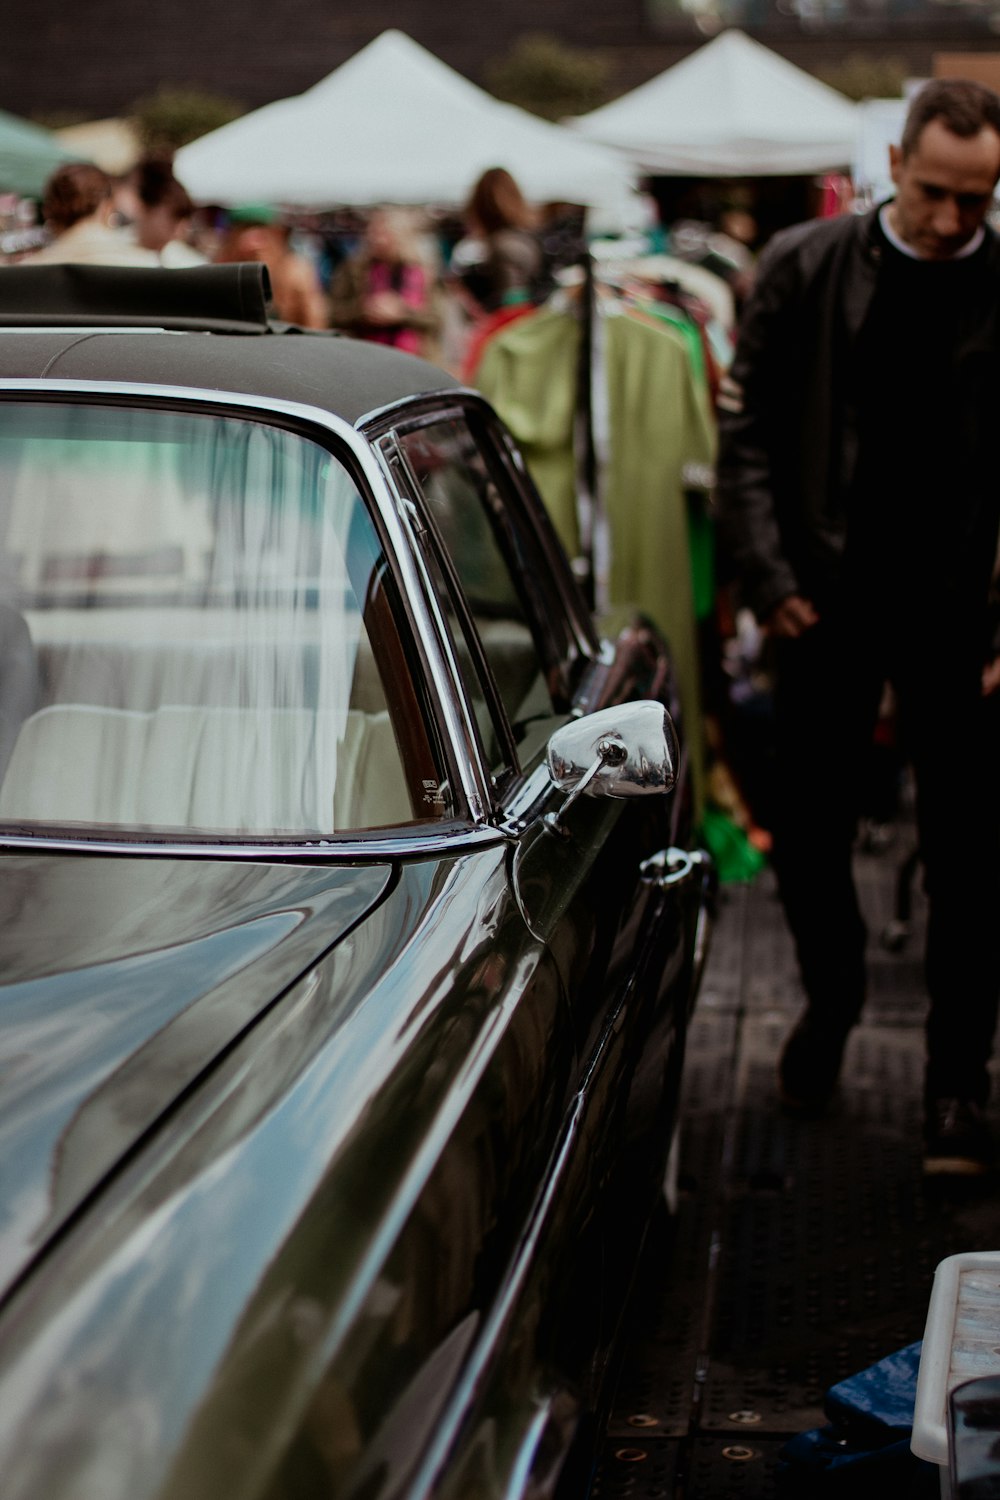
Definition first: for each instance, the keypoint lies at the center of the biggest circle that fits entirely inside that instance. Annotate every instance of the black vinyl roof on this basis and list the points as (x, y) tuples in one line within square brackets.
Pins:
[(172, 331)]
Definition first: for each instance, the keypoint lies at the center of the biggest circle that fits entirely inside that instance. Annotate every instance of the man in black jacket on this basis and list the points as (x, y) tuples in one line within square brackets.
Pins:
[(859, 501)]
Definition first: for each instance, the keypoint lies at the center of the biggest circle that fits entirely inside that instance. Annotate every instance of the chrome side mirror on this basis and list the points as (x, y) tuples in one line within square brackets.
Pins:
[(627, 751)]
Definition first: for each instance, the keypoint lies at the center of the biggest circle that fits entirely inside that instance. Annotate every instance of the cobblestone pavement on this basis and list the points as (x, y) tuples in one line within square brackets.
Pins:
[(803, 1250)]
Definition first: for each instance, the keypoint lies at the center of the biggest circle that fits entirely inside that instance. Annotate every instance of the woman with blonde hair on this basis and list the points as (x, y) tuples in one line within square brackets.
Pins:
[(384, 292)]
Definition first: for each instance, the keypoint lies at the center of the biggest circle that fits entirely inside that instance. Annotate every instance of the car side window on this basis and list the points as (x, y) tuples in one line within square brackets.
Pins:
[(200, 633), (490, 558)]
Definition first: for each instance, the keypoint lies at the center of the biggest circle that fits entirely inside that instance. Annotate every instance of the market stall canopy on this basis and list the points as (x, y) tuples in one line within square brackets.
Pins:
[(394, 125), (114, 145), (28, 155), (731, 109)]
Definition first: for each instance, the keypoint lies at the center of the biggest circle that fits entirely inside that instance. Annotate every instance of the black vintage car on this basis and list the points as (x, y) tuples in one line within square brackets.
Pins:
[(349, 919)]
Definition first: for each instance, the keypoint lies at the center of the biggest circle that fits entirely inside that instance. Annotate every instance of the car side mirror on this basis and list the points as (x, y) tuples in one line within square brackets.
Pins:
[(629, 750)]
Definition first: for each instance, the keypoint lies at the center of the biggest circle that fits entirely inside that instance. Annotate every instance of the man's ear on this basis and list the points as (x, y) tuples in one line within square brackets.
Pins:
[(895, 162)]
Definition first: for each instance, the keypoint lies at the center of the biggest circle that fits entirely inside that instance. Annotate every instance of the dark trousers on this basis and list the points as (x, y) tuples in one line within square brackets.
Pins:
[(829, 683)]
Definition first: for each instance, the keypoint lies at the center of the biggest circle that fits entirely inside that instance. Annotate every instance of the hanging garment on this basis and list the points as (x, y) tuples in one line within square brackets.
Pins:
[(674, 316), (482, 334), (659, 425), (698, 478), (660, 422), (528, 371)]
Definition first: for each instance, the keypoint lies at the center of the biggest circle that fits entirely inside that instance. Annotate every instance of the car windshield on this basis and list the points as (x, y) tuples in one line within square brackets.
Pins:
[(195, 620)]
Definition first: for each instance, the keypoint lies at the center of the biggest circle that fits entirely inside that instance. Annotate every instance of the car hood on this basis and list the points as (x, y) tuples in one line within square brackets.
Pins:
[(121, 981)]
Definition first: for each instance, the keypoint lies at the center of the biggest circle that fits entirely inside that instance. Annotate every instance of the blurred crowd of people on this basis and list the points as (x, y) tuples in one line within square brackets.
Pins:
[(89, 217), (429, 284), (391, 275)]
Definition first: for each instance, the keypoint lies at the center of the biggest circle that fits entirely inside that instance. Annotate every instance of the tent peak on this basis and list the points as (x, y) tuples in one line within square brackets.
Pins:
[(394, 49), (730, 108), (395, 124)]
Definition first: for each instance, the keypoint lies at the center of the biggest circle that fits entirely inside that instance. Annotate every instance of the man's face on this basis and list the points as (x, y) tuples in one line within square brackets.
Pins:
[(943, 188), (261, 242)]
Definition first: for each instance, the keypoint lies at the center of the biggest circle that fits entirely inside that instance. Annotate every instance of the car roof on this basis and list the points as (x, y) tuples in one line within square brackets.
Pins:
[(122, 324)]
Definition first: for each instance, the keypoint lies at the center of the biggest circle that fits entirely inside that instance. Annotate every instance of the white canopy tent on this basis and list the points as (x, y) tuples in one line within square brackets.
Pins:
[(731, 109), (396, 125)]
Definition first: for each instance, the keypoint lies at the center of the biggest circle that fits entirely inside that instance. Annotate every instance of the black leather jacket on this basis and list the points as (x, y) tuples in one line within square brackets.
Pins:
[(789, 439)]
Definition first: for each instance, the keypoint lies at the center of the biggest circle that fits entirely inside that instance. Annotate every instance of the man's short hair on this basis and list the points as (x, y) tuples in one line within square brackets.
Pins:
[(965, 108)]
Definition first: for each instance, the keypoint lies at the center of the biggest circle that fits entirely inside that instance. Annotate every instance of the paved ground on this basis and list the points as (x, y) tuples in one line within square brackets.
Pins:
[(803, 1250)]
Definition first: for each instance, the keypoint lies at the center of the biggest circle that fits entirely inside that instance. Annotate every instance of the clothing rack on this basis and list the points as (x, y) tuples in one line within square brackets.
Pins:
[(586, 446)]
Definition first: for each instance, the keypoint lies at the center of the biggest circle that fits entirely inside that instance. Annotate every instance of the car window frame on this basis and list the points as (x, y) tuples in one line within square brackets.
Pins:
[(415, 626), (553, 595), (439, 562), (583, 644)]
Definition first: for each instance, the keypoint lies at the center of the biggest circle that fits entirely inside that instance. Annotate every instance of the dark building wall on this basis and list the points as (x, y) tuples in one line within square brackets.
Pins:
[(99, 57), (96, 58)]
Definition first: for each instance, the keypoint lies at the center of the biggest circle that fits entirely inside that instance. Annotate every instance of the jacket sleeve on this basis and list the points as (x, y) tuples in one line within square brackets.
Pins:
[(751, 422)]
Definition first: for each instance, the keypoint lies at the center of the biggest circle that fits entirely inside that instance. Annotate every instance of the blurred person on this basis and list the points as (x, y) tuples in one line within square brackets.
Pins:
[(738, 235), (858, 503), (78, 205), (255, 233), (739, 224), (385, 292), (163, 214), (502, 262), (500, 271)]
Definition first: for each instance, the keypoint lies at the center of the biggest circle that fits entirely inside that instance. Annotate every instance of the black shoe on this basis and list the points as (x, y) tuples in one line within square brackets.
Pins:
[(809, 1065), (956, 1139)]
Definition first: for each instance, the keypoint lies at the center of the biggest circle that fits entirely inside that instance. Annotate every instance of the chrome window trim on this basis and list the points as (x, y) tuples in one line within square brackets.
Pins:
[(582, 627), (406, 415), (447, 694), (385, 449), (418, 844), (382, 419)]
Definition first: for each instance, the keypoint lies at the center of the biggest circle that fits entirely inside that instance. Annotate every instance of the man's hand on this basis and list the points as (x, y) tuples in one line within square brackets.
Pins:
[(791, 618), (991, 676)]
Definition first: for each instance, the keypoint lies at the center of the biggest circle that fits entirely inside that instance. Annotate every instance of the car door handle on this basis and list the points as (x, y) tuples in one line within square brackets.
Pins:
[(673, 868)]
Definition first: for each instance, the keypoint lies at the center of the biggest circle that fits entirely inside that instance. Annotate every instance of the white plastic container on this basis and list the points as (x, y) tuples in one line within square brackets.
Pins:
[(961, 1342)]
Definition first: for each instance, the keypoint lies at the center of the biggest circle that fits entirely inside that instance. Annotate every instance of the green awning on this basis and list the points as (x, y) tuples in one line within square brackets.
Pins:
[(28, 154)]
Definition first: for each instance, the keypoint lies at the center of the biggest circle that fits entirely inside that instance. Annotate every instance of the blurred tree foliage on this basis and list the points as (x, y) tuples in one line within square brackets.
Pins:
[(867, 75), (549, 78), (171, 117)]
